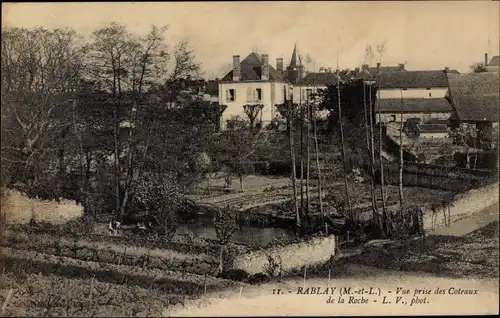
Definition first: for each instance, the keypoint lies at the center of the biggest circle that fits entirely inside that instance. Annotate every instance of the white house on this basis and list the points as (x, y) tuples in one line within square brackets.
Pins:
[(253, 81), (493, 65), (420, 94)]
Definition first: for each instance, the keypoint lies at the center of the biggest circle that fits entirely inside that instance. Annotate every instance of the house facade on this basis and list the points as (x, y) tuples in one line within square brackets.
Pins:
[(415, 94), (492, 66), (254, 81)]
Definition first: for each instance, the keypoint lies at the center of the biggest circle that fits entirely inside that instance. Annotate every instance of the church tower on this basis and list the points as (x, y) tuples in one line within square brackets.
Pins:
[(295, 71)]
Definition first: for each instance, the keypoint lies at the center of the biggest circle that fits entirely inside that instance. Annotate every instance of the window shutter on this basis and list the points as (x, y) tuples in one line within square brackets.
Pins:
[(227, 95), (249, 94)]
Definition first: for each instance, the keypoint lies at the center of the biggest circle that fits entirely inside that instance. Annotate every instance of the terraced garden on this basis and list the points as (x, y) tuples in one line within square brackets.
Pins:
[(117, 269)]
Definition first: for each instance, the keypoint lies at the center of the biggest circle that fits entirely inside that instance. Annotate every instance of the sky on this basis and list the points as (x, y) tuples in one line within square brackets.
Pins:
[(424, 35)]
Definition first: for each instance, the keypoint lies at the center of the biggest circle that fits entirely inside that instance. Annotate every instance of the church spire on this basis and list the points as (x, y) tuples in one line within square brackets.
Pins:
[(295, 58)]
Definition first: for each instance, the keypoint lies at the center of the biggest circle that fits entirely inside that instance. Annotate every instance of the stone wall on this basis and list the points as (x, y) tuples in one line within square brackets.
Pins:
[(281, 259), (463, 205)]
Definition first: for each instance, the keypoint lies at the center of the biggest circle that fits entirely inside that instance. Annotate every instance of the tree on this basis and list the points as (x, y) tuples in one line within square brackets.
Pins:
[(385, 219), (41, 69), (185, 65), (316, 149), (401, 159), (225, 226), (344, 163), (253, 111), (370, 135), (465, 135), (161, 197), (478, 67), (132, 68), (239, 146)]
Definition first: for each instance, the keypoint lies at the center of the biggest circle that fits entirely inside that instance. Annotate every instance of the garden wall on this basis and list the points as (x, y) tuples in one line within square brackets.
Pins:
[(463, 205), (278, 259), (19, 209)]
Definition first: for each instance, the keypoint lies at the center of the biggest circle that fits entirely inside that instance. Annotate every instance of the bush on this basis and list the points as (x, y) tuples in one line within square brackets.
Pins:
[(161, 198)]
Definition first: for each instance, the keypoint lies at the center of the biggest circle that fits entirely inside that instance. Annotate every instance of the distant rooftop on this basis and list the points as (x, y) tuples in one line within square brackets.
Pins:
[(476, 96), (495, 61), (251, 68), (414, 105), (321, 78), (414, 79)]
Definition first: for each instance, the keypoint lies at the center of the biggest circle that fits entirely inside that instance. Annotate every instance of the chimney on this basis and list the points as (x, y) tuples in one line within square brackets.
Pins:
[(236, 68), (401, 66), (485, 59), (279, 64), (364, 67), (264, 75), (378, 68), (356, 71), (446, 69)]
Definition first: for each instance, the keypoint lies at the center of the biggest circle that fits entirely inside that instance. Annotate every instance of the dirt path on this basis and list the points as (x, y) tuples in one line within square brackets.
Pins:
[(470, 224)]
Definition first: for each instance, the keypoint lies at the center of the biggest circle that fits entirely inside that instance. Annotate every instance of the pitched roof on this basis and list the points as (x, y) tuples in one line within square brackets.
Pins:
[(322, 78), (251, 70), (495, 61), (413, 79), (212, 88), (476, 96), (373, 70), (414, 105), (432, 128), (295, 58)]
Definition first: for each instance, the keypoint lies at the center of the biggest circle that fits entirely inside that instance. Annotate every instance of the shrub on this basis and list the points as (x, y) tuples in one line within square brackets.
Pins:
[(225, 226), (161, 199)]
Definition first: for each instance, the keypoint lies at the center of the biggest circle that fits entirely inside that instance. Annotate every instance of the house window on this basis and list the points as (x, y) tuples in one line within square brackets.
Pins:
[(258, 96), (309, 94), (254, 94), (393, 118), (230, 95), (430, 94)]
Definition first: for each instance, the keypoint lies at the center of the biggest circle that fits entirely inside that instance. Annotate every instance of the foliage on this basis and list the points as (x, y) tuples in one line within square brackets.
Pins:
[(238, 147), (478, 67), (161, 197), (225, 224)]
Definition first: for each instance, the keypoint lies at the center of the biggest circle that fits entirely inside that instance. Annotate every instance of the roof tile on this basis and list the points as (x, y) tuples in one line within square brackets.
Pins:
[(414, 105), (251, 70), (413, 79), (476, 96)]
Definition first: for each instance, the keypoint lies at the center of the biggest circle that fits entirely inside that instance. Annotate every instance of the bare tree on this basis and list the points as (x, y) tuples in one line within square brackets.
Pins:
[(288, 110), (127, 65), (342, 144), (253, 111), (369, 137), (381, 51), (41, 69), (185, 65), (320, 183), (291, 111), (401, 159)]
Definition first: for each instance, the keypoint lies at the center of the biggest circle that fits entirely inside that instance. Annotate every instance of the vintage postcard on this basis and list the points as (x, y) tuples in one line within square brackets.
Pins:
[(305, 158)]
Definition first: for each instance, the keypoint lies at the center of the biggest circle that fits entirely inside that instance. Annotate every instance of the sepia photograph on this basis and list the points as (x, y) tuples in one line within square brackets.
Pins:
[(249, 158)]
